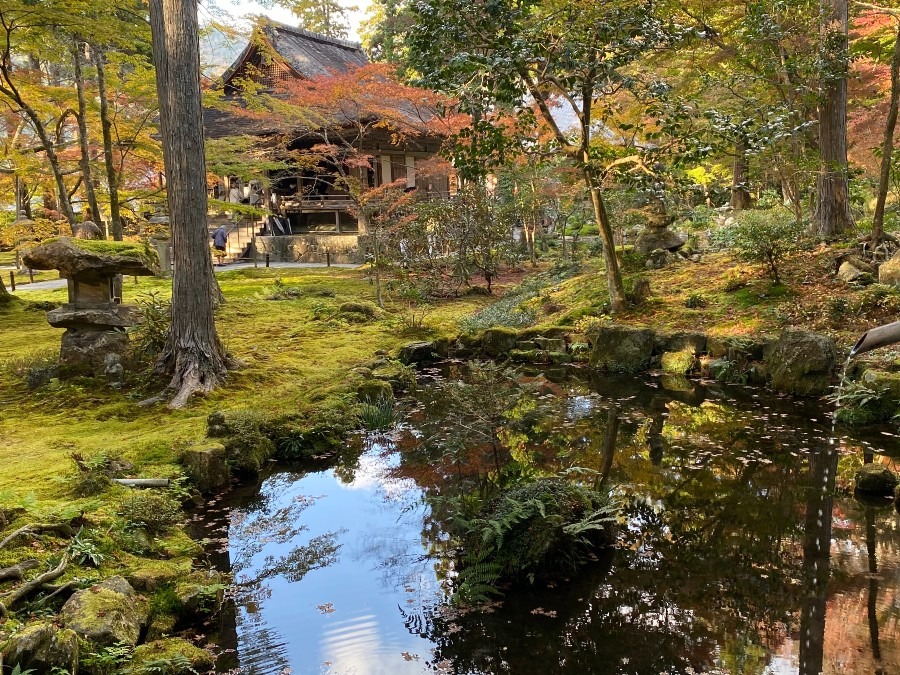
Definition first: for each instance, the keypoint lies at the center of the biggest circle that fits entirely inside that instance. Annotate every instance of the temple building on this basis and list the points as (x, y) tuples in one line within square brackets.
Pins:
[(310, 207)]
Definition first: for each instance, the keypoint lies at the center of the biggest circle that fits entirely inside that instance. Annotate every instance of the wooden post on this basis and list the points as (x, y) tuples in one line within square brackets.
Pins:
[(327, 257), (30, 275), (267, 259), (253, 250), (12, 281)]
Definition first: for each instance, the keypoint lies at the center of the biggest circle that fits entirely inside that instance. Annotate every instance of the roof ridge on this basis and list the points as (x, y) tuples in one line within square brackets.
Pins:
[(350, 44)]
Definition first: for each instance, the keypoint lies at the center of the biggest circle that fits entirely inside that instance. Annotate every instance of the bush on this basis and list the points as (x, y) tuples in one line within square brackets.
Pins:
[(148, 337), (378, 415), (152, 510), (765, 237), (695, 301)]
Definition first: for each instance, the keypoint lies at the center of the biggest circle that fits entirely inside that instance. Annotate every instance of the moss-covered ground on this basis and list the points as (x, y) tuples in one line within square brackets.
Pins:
[(295, 353)]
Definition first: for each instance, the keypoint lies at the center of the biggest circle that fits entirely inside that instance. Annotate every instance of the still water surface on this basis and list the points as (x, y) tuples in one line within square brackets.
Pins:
[(741, 552)]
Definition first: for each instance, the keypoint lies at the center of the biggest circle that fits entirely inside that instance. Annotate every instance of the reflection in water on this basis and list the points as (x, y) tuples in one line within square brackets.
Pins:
[(817, 557), (734, 550)]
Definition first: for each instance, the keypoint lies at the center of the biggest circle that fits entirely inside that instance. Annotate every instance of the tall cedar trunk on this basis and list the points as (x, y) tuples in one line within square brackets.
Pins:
[(193, 354), (740, 195), (5, 297), (613, 274), (831, 215), (887, 145), (112, 177), (83, 140)]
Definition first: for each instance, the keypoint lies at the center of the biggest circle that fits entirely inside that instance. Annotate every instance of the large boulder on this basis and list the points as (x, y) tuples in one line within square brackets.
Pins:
[(84, 258), (653, 238), (889, 272), (801, 363), (42, 648), (107, 613), (207, 467), (417, 352), (851, 273), (621, 349), (677, 342), (498, 341)]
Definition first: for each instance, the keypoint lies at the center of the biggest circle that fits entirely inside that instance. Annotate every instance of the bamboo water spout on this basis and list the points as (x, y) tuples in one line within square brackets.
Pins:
[(877, 337)]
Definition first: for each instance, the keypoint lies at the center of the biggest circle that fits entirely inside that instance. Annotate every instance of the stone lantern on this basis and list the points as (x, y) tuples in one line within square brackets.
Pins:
[(94, 319)]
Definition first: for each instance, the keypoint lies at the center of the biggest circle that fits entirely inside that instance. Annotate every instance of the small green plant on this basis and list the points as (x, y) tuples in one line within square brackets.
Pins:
[(163, 666), (17, 670), (378, 416), (148, 337), (765, 237), (92, 474), (84, 551), (856, 403), (154, 511), (695, 301), (108, 660), (283, 291), (838, 309), (734, 279)]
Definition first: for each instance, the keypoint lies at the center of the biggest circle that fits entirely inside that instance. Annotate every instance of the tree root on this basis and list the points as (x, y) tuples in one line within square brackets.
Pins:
[(7, 600), (60, 528), (17, 572)]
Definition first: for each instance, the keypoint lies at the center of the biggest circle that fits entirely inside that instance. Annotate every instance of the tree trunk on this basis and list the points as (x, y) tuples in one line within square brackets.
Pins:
[(831, 215), (193, 355), (740, 195), (5, 296), (887, 146), (613, 275), (83, 133), (112, 177)]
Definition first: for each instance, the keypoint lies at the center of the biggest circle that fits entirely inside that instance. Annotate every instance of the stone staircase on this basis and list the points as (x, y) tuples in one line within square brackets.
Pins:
[(240, 235)]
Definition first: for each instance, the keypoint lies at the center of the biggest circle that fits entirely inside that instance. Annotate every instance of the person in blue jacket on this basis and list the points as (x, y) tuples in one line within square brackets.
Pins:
[(220, 242)]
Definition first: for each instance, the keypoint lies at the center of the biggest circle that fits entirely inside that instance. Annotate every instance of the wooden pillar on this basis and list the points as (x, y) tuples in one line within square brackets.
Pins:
[(410, 171), (386, 173)]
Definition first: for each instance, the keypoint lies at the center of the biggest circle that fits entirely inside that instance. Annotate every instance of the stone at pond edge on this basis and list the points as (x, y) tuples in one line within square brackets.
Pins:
[(678, 363), (373, 391), (207, 468), (498, 341), (106, 613), (875, 479), (676, 342), (801, 363), (416, 352), (622, 349), (163, 656), (735, 348), (550, 344), (41, 648), (882, 380)]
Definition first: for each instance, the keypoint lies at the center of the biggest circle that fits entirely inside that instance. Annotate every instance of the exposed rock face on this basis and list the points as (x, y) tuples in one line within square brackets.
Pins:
[(801, 363), (207, 468), (92, 348), (417, 352), (91, 260), (41, 648), (622, 349), (875, 479), (106, 613)]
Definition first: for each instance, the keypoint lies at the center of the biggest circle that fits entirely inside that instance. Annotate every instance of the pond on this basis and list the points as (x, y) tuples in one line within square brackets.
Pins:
[(740, 550)]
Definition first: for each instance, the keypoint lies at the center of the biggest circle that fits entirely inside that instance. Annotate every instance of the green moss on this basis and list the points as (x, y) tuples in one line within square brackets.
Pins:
[(678, 363), (372, 391), (172, 656)]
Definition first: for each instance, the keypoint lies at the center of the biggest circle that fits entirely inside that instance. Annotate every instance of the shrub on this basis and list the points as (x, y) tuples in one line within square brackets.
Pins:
[(151, 510), (148, 337), (284, 291), (92, 473), (379, 415), (765, 237), (695, 301), (734, 279)]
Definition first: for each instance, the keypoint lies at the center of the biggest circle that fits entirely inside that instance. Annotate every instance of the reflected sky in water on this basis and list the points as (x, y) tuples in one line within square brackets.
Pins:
[(741, 536)]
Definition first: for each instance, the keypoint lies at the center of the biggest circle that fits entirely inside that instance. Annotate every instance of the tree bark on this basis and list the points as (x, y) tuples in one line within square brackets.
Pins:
[(613, 274), (112, 178), (5, 296), (887, 146), (831, 215), (740, 195), (83, 140), (193, 355)]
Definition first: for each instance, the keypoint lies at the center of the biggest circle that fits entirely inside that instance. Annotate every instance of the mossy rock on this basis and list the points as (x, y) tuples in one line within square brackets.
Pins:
[(678, 363), (364, 309), (401, 377), (417, 352), (884, 381), (199, 594), (621, 349), (801, 363), (524, 355), (497, 342), (172, 656), (248, 453), (177, 544), (151, 575), (559, 358), (676, 342), (207, 467), (162, 625), (41, 648), (107, 613), (372, 391), (735, 348), (875, 479)]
